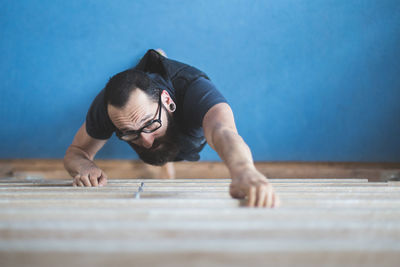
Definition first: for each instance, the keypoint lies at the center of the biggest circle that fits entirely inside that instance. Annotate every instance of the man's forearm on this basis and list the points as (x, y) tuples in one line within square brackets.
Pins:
[(232, 149), (247, 181)]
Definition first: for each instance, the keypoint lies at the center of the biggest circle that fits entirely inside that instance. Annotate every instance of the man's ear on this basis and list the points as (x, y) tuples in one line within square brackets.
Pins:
[(167, 101)]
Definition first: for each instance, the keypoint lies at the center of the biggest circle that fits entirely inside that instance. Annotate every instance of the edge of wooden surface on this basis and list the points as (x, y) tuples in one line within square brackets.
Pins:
[(54, 168)]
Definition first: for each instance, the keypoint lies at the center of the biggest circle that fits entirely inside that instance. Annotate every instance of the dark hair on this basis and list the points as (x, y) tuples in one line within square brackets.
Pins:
[(120, 86)]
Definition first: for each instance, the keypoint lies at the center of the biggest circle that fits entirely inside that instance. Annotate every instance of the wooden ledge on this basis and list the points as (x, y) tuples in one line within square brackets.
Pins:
[(54, 168)]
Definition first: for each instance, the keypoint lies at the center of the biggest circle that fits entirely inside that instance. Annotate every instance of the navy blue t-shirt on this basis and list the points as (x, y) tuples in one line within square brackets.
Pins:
[(200, 96)]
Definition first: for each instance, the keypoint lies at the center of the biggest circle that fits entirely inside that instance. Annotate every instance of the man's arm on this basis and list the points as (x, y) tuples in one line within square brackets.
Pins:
[(78, 160), (221, 134)]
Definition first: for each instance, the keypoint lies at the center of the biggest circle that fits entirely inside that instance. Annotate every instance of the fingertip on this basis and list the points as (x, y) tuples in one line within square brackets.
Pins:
[(261, 196), (271, 198), (252, 196), (103, 179), (102, 182)]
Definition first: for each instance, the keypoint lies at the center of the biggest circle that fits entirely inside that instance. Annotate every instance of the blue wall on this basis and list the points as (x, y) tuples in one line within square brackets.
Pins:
[(308, 80)]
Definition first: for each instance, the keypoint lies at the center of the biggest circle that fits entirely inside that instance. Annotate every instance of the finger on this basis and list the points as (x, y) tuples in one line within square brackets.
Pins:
[(75, 180), (237, 193), (261, 196), (103, 179), (269, 201), (80, 183), (93, 179), (252, 196), (275, 201), (85, 180)]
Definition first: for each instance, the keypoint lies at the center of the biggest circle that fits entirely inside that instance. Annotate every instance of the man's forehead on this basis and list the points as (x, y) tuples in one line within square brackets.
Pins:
[(138, 107), (136, 99)]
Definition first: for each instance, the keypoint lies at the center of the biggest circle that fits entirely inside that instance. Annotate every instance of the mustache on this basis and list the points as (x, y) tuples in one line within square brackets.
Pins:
[(161, 154)]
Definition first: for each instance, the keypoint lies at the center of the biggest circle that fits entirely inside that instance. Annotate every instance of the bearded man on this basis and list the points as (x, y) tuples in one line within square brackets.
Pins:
[(166, 111)]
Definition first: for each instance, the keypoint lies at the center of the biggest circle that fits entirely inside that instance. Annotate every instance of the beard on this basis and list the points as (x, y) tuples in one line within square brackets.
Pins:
[(164, 149)]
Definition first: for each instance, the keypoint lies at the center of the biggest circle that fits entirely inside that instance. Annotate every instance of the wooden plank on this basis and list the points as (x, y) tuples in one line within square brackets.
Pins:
[(222, 187), (182, 214), (226, 180), (174, 203), (105, 232), (194, 182), (11, 180), (276, 257), (199, 195), (53, 168), (196, 223), (380, 186), (195, 244), (266, 224)]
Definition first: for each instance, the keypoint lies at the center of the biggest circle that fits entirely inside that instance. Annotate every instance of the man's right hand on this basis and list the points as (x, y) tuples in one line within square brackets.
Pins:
[(78, 160), (90, 176)]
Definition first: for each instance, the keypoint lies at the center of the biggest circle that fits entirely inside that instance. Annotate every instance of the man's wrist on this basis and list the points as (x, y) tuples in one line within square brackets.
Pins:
[(238, 168)]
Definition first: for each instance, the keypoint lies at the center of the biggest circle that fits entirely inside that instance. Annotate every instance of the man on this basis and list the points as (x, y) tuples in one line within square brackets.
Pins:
[(166, 111)]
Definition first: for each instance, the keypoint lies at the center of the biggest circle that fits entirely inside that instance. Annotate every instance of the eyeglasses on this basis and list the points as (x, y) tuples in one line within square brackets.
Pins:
[(150, 127)]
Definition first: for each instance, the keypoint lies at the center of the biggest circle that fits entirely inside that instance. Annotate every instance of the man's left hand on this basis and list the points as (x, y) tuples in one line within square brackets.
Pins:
[(251, 183)]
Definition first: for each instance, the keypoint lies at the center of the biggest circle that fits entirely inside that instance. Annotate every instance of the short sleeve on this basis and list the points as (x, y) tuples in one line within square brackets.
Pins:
[(98, 123), (200, 96)]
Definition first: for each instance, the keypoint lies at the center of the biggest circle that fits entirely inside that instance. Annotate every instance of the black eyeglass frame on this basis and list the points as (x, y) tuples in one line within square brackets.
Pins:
[(121, 135)]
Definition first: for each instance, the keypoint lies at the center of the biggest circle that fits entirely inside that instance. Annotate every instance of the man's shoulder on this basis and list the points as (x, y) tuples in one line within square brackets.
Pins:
[(200, 96), (98, 123)]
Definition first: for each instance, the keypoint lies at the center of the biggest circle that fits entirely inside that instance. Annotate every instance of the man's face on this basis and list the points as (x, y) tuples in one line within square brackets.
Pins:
[(155, 148)]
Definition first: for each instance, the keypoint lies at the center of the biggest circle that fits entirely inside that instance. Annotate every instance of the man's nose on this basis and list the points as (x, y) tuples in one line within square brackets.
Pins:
[(147, 140)]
